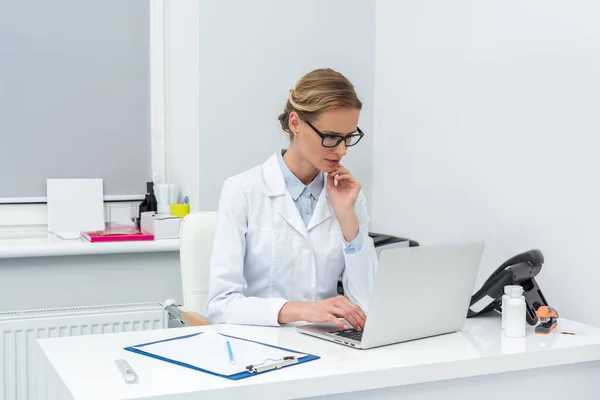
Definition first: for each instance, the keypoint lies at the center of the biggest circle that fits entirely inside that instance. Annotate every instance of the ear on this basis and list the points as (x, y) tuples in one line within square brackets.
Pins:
[(294, 122)]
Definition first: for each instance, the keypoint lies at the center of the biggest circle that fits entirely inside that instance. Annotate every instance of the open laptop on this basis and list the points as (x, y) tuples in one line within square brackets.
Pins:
[(418, 292)]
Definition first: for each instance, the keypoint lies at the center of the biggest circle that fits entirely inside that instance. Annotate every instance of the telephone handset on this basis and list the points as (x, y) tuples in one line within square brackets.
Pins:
[(518, 270)]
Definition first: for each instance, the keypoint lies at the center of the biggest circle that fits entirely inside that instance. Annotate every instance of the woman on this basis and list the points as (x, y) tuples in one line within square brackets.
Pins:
[(288, 230)]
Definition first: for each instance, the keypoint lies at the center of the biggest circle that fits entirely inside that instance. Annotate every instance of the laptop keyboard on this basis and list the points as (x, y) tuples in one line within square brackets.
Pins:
[(349, 334)]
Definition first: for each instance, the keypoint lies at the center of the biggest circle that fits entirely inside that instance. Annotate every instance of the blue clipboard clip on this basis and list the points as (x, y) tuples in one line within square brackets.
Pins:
[(270, 364)]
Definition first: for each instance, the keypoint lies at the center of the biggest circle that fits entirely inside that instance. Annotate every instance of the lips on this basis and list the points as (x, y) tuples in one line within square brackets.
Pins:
[(333, 163)]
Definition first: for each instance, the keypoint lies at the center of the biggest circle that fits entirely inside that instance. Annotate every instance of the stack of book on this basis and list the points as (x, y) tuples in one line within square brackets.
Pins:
[(126, 234)]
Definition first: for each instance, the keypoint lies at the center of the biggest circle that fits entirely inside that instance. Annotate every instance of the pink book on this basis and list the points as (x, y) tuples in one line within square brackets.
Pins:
[(117, 235)]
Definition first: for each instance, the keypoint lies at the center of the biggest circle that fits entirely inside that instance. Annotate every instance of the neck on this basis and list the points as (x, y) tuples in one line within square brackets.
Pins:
[(299, 165)]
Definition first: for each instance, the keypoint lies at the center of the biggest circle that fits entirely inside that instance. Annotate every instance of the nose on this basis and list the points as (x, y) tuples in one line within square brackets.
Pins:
[(340, 150)]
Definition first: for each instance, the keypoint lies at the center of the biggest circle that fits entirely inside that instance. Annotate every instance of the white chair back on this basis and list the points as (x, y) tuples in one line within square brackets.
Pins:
[(197, 236)]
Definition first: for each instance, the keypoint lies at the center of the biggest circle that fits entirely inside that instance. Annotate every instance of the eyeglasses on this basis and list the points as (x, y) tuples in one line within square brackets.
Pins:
[(330, 140)]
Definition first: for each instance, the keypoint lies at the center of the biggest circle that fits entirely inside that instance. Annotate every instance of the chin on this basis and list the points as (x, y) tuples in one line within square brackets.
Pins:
[(324, 166), (321, 165)]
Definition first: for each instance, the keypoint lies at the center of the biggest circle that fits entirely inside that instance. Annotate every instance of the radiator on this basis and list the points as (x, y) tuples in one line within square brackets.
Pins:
[(22, 373)]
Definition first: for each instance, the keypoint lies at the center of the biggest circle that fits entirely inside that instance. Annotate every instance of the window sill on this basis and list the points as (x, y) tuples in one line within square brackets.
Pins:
[(51, 245)]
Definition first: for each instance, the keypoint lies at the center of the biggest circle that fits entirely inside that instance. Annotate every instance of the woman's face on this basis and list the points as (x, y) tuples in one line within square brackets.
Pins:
[(336, 121)]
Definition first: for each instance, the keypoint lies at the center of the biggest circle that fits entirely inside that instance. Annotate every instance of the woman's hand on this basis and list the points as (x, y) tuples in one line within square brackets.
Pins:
[(343, 197), (329, 310)]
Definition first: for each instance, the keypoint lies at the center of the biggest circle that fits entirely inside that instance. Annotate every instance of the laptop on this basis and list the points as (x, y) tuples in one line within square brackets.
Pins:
[(418, 292)]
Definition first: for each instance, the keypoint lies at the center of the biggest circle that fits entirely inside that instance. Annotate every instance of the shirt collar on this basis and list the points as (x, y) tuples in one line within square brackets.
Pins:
[(295, 185)]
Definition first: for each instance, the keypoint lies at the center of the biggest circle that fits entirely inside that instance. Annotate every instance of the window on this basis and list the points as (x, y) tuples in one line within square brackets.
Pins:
[(81, 95)]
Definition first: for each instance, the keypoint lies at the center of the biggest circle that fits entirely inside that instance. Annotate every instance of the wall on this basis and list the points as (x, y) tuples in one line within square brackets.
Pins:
[(86, 280), (251, 55), (487, 127), (182, 97)]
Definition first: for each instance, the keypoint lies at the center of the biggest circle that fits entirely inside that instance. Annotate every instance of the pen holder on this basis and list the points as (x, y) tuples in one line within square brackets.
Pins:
[(180, 210)]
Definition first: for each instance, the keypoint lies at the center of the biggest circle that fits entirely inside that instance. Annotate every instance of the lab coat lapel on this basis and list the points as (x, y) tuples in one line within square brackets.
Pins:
[(322, 209), (283, 203), (287, 209)]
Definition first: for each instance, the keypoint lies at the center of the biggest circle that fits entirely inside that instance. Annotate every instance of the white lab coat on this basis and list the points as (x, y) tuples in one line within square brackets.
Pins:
[(264, 255)]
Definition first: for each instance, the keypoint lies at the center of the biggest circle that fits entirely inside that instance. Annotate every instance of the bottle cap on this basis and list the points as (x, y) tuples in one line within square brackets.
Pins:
[(508, 289), (516, 291)]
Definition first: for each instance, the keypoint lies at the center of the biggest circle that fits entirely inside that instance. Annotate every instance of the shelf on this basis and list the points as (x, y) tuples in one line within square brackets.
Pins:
[(51, 245)]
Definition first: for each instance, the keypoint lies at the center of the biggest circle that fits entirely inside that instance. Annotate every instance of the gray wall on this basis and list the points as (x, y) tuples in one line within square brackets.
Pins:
[(251, 54), (74, 94)]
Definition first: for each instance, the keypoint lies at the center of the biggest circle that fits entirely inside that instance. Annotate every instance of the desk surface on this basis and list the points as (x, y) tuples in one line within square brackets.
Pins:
[(51, 245), (86, 363)]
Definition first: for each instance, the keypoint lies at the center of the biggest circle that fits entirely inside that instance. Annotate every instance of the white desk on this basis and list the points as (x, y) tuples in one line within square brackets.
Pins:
[(427, 368)]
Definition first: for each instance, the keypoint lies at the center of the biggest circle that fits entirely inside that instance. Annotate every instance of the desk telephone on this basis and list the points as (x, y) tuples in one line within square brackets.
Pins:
[(518, 270)]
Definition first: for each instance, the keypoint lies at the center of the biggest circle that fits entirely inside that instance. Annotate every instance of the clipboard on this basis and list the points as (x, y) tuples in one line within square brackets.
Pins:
[(264, 366)]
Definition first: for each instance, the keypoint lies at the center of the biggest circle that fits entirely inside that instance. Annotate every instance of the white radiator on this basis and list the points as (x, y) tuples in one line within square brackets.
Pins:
[(23, 377)]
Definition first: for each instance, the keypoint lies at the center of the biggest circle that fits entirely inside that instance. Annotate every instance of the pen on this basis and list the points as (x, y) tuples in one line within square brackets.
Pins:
[(185, 200), (231, 359)]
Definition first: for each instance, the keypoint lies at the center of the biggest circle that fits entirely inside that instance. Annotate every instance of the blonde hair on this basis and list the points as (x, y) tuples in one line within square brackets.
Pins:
[(317, 92)]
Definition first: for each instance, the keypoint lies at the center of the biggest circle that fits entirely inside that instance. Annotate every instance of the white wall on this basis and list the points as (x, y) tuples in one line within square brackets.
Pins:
[(182, 97), (488, 127), (251, 55)]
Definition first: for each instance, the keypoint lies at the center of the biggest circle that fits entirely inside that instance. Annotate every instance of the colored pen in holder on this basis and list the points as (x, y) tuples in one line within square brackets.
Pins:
[(180, 210)]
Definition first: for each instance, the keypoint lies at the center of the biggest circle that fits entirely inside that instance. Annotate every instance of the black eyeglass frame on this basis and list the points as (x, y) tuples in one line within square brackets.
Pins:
[(339, 138)]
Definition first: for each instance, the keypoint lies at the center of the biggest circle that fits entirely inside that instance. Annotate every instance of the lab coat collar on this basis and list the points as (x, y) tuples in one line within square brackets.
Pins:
[(275, 181), (273, 177), (276, 189), (285, 206)]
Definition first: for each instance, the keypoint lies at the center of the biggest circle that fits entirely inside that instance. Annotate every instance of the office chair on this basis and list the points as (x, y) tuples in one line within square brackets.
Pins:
[(197, 236)]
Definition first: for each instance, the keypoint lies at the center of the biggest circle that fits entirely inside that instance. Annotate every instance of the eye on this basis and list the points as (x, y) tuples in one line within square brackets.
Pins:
[(351, 140), (331, 140)]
